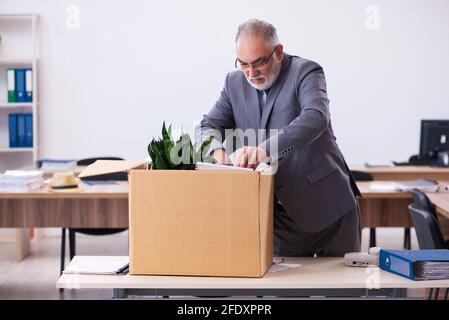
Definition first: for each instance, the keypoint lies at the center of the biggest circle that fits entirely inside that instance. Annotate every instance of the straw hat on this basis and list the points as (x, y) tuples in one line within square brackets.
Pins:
[(64, 182)]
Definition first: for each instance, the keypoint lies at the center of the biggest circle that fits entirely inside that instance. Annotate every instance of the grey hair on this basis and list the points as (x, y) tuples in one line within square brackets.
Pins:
[(258, 28)]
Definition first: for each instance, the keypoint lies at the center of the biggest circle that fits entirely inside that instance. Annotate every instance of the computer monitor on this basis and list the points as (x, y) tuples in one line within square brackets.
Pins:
[(434, 138)]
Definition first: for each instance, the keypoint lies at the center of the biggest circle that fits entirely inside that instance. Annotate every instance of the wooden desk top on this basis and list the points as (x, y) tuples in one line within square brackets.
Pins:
[(381, 189), (313, 273), (441, 201), (116, 190), (119, 190)]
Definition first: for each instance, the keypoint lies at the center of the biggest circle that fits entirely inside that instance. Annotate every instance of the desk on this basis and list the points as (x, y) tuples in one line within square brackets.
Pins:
[(380, 208), (106, 206), (390, 208), (97, 206), (405, 172), (315, 277)]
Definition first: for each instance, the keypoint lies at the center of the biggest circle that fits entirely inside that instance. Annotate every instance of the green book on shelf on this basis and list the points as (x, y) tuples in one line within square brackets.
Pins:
[(11, 83)]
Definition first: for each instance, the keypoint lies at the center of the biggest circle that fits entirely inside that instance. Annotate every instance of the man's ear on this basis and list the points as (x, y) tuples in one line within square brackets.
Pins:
[(280, 52)]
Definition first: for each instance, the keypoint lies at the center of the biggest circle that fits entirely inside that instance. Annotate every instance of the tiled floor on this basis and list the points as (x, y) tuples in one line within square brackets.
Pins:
[(35, 277)]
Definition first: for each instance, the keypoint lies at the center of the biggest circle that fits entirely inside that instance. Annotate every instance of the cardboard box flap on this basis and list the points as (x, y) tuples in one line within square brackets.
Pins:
[(100, 167)]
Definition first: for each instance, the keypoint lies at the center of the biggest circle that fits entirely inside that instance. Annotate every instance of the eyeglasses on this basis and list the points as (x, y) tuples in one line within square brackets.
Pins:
[(256, 64)]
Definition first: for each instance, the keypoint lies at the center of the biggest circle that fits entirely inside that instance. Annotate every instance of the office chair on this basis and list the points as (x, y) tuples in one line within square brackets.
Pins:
[(428, 233), (421, 201), (90, 231), (365, 176)]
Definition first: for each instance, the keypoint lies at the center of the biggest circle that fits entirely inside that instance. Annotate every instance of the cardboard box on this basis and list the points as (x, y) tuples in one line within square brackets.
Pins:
[(198, 223)]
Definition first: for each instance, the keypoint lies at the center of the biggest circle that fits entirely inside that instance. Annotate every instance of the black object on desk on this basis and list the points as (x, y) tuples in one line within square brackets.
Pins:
[(417, 160)]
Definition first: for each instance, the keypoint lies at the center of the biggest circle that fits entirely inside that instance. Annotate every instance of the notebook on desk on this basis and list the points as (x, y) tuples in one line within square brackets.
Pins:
[(99, 266)]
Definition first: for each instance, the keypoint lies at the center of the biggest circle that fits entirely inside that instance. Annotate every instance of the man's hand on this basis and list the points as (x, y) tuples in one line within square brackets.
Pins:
[(221, 157), (250, 157)]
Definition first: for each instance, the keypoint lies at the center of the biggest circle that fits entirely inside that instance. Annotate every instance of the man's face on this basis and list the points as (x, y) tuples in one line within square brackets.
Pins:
[(253, 50)]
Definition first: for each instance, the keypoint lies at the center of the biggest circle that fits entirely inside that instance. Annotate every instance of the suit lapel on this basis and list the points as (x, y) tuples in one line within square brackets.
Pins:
[(252, 103), (275, 89)]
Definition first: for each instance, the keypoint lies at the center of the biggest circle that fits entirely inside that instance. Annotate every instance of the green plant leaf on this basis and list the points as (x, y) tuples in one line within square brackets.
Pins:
[(182, 154), (205, 147)]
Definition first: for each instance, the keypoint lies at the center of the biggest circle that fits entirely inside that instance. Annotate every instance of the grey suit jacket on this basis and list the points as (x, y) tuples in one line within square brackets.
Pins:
[(312, 182)]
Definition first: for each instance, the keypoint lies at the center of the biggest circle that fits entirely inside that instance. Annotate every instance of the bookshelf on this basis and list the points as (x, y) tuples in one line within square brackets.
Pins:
[(18, 49)]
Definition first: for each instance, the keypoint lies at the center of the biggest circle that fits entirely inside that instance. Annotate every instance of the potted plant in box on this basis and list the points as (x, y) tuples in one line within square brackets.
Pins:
[(168, 154)]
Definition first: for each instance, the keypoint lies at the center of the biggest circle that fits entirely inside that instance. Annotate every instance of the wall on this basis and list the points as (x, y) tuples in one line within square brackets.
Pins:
[(107, 86)]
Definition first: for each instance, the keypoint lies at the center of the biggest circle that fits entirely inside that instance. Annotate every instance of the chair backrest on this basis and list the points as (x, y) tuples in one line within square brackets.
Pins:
[(421, 201), (427, 229), (116, 176), (362, 176)]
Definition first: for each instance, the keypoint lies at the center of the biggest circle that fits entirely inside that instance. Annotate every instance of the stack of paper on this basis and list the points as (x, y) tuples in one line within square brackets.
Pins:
[(212, 166), (21, 180), (423, 185), (52, 165)]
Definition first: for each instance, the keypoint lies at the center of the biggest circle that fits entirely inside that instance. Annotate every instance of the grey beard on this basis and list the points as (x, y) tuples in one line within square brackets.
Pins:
[(269, 80)]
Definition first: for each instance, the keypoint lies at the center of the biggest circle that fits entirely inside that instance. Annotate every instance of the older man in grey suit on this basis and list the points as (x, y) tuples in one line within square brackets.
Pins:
[(316, 210)]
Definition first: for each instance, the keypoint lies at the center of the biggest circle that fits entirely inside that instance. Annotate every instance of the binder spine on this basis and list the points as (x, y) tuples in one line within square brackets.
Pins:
[(21, 130), (12, 127), (20, 85), (394, 264), (11, 83), (28, 85), (29, 130)]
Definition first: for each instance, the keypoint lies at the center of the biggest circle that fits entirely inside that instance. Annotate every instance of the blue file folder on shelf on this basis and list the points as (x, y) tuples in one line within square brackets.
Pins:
[(12, 127), (20, 85), (21, 133), (416, 264), (28, 130), (28, 85)]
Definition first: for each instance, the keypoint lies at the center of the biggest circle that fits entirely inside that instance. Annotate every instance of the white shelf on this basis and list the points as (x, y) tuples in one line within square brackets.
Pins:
[(12, 150), (13, 61), (16, 104), (18, 16)]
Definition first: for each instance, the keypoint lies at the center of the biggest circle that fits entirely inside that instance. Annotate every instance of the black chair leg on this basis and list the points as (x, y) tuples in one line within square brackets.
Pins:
[(430, 294), (437, 292), (446, 294), (407, 239), (62, 250), (72, 244), (62, 263), (372, 237)]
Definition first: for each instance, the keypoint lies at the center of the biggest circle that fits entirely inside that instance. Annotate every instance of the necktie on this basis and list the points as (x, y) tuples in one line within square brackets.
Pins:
[(263, 101)]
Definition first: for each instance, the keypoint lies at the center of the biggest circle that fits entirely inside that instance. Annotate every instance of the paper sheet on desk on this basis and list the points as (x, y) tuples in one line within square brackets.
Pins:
[(98, 265), (383, 186), (283, 266)]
